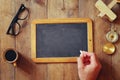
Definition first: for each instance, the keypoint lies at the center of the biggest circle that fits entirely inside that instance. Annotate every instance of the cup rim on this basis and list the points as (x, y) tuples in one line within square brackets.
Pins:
[(6, 52)]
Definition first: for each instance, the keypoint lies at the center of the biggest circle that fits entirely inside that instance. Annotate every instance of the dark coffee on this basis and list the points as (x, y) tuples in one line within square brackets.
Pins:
[(10, 55)]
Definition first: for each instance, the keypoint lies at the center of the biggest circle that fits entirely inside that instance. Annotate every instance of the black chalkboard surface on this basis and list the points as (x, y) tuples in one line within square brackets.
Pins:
[(60, 40)]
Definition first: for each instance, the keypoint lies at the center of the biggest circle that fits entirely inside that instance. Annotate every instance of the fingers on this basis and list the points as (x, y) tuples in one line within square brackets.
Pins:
[(83, 59), (88, 58)]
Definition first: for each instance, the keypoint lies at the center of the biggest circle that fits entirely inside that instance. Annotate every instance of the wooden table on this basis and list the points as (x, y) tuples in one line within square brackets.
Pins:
[(26, 69)]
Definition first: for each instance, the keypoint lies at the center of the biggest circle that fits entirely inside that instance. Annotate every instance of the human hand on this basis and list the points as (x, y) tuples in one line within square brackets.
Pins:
[(88, 66)]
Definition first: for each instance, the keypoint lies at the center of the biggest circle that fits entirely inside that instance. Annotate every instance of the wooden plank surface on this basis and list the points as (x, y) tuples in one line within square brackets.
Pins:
[(39, 11), (62, 9), (26, 69), (100, 30), (116, 56), (0, 44), (25, 66), (6, 12), (108, 70), (87, 9), (98, 34)]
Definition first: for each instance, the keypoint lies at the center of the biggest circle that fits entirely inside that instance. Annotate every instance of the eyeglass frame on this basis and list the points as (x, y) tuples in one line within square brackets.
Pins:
[(15, 20)]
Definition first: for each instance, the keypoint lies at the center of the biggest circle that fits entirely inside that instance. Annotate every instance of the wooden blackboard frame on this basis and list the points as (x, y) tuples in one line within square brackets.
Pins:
[(55, 21)]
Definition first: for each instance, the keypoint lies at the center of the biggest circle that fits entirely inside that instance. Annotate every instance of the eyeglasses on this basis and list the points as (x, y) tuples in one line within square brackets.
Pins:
[(15, 27)]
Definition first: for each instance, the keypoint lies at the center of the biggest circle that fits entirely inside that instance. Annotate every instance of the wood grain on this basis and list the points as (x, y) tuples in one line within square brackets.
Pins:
[(39, 11), (99, 38), (24, 64), (26, 69), (115, 57), (70, 71), (62, 9), (100, 31), (87, 9), (7, 70), (0, 45), (116, 63)]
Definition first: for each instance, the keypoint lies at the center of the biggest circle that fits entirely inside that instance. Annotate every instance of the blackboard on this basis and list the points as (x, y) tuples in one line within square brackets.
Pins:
[(60, 40)]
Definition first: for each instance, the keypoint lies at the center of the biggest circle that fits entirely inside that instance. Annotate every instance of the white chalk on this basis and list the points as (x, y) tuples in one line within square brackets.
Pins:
[(81, 51)]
